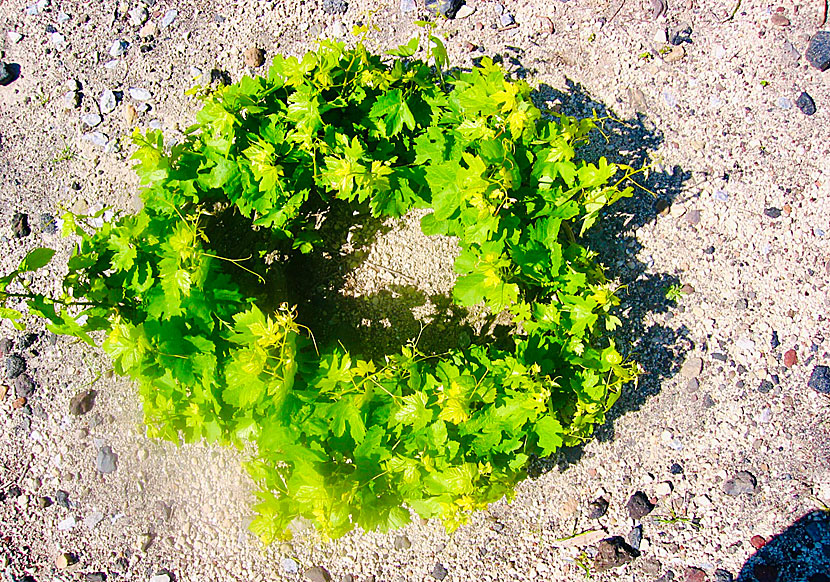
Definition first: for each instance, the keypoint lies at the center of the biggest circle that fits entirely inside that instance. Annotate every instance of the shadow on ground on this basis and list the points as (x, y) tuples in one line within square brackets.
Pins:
[(644, 336), (801, 553)]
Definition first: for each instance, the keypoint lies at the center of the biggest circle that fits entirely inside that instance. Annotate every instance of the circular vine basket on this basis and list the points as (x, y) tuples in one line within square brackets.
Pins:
[(344, 441)]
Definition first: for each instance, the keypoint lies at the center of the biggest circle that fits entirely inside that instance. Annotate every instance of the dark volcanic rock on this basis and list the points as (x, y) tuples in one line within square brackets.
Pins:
[(818, 51), (639, 505), (820, 379)]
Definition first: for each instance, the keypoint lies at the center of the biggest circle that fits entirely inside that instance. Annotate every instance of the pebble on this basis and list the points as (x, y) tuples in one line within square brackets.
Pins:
[(447, 8), (693, 216), (15, 365), (806, 104), (778, 19), (635, 536), (108, 101), (148, 30), (774, 341), (23, 386), (612, 553), (14, 36), (317, 574), (58, 40), (639, 505), (676, 54), (67, 524), (758, 542), (695, 575), (506, 19), (106, 461), (140, 94), (772, 212), (692, 367), (402, 543), (160, 577), (254, 57), (7, 74), (168, 18), (765, 386), (676, 469), (62, 499), (820, 379), (93, 519), (790, 358), (742, 482), (138, 15), (408, 6), (97, 138), (784, 103), (439, 572), (818, 51), (334, 6), (91, 119), (289, 566), (597, 508), (118, 48), (465, 11), (64, 560), (663, 489), (82, 402), (722, 575), (95, 577), (71, 100)]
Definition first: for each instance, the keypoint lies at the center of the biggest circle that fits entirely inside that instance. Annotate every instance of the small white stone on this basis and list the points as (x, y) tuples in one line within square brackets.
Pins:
[(148, 30), (160, 578), (93, 519), (91, 119), (14, 36), (107, 102), (63, 17), (168, 18), (663, 489), (67, 524), (465, 11), (661, 37), (138, 16), (58, 40), (142, 454), (118, 48), (140, 94), (97, 138)]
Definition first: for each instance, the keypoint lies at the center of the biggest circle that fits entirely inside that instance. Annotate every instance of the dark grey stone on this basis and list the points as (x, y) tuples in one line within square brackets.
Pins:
[(818, 51), (635, 536), (772, 212), (820, 379), (639, 505), (15, 365), (439, 572), (806, 104), (597, 508), (334, 6), (723, 576), (676, 469), (447, 8), (20, 225), (24, 386)]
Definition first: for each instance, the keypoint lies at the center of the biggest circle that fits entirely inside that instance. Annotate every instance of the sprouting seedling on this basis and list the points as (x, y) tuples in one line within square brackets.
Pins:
[(674, 292)]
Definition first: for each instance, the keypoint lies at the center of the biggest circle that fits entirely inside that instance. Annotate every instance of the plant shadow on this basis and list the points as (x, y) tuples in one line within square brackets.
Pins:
[(644, 336)]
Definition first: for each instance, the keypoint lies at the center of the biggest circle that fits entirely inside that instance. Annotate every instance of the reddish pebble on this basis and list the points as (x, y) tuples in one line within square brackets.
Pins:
[(790, 358), (757, 542), (787, 209), (19, 403), (695, 575)]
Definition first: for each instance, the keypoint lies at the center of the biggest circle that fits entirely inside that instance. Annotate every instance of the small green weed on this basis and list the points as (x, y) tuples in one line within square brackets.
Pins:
[(674, 292)]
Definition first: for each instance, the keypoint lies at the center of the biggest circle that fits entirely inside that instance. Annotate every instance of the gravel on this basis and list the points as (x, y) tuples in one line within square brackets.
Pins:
[(721, 144)]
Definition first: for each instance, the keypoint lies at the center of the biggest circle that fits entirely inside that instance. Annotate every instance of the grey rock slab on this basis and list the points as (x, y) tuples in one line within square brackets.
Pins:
[(317, 574), (818, 51), (334, 6), (742, 482), (692, 367), (820, 379), (635, 536), (506, 19), (106, 461), (447, 8), (439, 572), (402, 543), (20, 225), (612, 553)]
